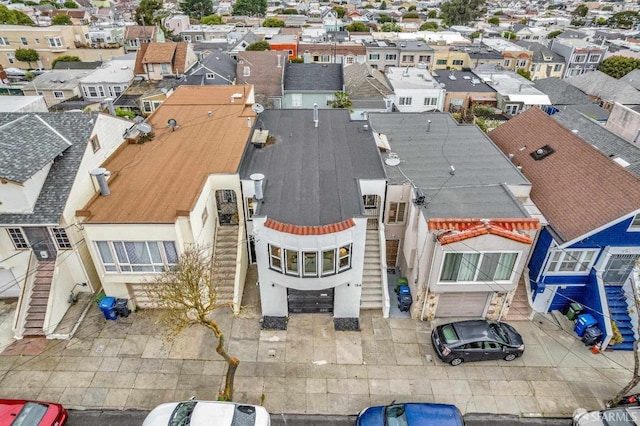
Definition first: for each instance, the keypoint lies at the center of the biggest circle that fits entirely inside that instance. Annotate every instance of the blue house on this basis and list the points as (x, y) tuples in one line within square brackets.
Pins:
[(590, 198)]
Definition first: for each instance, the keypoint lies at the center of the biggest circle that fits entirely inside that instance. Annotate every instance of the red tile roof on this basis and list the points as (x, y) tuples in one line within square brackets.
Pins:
[(577, 187), (463, 229), (310, 230)]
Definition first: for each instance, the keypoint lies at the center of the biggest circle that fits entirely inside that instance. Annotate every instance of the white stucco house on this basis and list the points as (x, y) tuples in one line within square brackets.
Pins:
[(414, 89), (108, 81)]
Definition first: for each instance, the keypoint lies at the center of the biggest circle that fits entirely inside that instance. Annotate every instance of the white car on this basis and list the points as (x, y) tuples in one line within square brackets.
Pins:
[(622, 416), (15, 72), (201, 413)]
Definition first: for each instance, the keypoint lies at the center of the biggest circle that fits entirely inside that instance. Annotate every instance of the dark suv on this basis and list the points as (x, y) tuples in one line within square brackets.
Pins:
[(476, 340)]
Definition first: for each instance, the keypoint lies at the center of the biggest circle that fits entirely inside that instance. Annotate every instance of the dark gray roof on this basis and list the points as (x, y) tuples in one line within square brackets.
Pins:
[(465, 81), (362, 82), (313, 77), (203, 46), (632, 78), (598, 84), (476, 187), (561, 93), (76, 127), (27, 145), (218, 63), (599, 136), (77, 65), (540, 52), (311, 174)]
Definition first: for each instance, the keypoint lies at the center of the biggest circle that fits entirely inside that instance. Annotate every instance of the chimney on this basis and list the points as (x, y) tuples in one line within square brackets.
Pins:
[(101, 176), (315, 115), (257, 179), (307, 57), (110, 107), (279, 61)]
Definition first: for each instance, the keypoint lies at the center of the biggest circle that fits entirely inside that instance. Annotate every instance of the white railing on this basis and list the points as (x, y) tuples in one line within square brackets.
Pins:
[(606, 315), (386, 303), (630, 288), (24, 299), (241, 270)]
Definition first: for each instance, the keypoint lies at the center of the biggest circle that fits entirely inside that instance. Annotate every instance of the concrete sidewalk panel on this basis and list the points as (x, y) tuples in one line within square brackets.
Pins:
[(63, 379), (113, 380)]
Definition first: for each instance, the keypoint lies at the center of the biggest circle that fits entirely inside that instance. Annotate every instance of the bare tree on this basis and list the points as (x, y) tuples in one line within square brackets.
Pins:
[(187, 295)]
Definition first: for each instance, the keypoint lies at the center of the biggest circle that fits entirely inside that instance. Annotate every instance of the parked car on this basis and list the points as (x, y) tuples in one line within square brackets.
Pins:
[(15, 72), (410, 414), (476, 340), (621, 416), (200, 413), (31, 413)]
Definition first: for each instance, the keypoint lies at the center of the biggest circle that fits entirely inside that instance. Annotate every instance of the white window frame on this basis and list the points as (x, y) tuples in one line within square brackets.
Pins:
[(594, 55), (210, 76), (275, 254), (95, 143), (557, 68), (186, 38), (476, 268), (249, 205), (346, 257), (199, 37), (155, 104), (58, 94), (512, 109), (404, 100), (164, 69), (4, 41), (291, 271), (521, 63), (88, 93), (424, 58), (332, 271), (507, 62), (582, 260), (204, 216), (296, 99), (37, 40), (393, 215), (61, 238), (119, 260), (11, 57), (431, 101), (246, 71), (18, 238), (117, 90), (634, 226), (54, 42), (408, 58), (24, 41), (579, 58), (390, 56), (149, 67), (146, 106), (306, 253), (374, 56)]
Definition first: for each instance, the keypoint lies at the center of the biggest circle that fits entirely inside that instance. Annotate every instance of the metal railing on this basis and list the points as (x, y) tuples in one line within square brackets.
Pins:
[(19, 324), (386, 303)]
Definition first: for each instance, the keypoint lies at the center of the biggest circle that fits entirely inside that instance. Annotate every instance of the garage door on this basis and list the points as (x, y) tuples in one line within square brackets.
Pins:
[(138, 294), (310, 301), (461, 304)]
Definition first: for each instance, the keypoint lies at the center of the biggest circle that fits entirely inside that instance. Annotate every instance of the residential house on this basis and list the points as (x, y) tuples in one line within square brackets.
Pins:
[(241, 44), (56, 86), (482, 56), (77, 16), (306, 85), (464, 90), (23, 104), (143, 97), (413, 53), (633, 78), (514, 56), (605, 89), (176, 24), (108, 81), (545, 63), (345, 53), (368, 90), (565, 96), (285, 43), (106, 36), (264, 70), (514, 93), (155, 61), (213, 68), (589, 248), (529, 34), (135, 35), (381, 54), (460, 258), (450, 58), (415, 90), (50, 43), (135, 234), (323, 254), (330, 20), (216, 33), (580, 56), (45, 261)]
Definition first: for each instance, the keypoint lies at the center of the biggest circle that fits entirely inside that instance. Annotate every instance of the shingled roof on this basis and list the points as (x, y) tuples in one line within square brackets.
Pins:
[(323, 77)]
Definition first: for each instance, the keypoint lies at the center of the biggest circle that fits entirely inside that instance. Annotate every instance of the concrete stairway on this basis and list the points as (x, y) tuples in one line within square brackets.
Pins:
[(39, 299), (225, 252), (619, 311), (371, 279), (519, 309)]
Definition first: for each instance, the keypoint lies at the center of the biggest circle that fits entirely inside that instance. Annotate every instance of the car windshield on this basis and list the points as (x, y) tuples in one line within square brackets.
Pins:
[(394, 416), (499, 333), (449, 334), (30, 415), (182, 414)]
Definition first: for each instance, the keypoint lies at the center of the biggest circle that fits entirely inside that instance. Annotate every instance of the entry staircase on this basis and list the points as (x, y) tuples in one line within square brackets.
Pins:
[(619, 312), (519, 309), (371, 277), (37, 309), (225, 253)]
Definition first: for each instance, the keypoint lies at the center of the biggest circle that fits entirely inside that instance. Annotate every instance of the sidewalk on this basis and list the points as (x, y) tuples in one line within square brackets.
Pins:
[(310, 368)]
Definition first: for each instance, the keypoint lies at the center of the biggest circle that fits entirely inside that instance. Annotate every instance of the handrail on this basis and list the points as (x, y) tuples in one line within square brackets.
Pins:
[(24, 298), (386, 303), (240, 273), (606, 315)]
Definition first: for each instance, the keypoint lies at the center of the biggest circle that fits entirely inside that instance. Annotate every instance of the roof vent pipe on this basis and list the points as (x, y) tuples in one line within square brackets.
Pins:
[(249, 122), (101, 176), (315, 115), (257, 179), (428, 125), (110, 107), (279, 63)]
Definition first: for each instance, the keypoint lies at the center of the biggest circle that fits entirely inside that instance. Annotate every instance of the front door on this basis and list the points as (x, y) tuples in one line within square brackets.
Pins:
[(41, 243), (372, 210), (227, 207), (392, 253)]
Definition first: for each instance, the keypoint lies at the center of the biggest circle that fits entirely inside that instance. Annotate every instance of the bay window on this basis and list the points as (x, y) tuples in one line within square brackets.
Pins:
[(137, 256)]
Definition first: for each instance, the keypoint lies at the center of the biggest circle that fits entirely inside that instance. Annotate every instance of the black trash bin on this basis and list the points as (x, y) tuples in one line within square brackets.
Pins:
[(121, 307), (592, 335)]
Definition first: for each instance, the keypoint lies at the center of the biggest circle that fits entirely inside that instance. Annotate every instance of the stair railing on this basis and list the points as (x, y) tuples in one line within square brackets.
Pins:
[(20, 321), (386, 302)]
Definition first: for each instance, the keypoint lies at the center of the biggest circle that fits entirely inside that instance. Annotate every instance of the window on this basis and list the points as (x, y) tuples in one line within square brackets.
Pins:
[(457, 62), (396, 212), (521, 63), (350, 60), (370, 201), (210, 76), (441, 62), (18, 239), (425, 58), (149, 67), (250, 208), (186, 37), (390, 57), (557, 68), (117, 90), (310, 263), (579, 58), (101, 91), (146, 106), (431, 101), (328, 262), (37, 41), (507, 62), (155, 104), (292, 262), (11, 57), (407, 58), (563, 261), (54, 41), (137, 256), (344, 261), (204, 216), (296, 100), (477, 267), (95, 143), (330, 99), (24, 41), (405, 101), (635, 223), (274, 258), (511, 109), (91, 91), (164, 69), (58, 95), (198, 38), (246, 71), (594, 59), (61, 237), (325, 58), (4, 41), (374, 56)]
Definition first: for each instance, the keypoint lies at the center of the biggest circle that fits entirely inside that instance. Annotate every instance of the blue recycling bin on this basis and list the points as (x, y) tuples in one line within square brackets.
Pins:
[(404, 298), (108, 307), (583, 322)]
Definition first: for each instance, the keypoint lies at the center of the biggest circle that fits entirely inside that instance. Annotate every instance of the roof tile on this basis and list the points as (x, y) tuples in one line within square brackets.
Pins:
[(309, 230)]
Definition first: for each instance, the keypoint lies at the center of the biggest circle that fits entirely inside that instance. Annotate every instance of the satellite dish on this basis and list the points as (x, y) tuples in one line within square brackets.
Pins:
[(391, 161), (144, 128), (257, 108), (172, 122)]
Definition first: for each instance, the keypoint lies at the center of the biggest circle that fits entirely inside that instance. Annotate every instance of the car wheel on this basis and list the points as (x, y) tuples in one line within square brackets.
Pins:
[(510, 357), (456, 361)]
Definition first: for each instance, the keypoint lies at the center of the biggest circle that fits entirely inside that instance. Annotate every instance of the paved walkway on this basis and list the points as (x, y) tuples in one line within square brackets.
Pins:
[(310, 368)]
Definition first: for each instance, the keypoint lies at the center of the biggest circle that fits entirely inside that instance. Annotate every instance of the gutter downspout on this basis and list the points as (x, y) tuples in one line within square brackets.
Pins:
[(428, 286)]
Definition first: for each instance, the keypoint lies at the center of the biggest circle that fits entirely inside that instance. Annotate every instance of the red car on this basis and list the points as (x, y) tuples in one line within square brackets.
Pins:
[(18, 412)]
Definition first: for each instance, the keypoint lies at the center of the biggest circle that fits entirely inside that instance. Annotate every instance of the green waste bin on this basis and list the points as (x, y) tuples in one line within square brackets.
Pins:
[(574, 310), (400, 281)]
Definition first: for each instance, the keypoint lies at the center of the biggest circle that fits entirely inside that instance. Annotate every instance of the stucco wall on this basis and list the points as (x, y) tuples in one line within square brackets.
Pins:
[(21, 198), (625, 123)]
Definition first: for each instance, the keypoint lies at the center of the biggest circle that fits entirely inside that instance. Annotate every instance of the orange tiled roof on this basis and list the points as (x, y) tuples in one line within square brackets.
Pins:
[(309, 230), (463, 229)]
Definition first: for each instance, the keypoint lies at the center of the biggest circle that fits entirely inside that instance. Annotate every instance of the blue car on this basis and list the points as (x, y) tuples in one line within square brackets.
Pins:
[(411, 414)]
